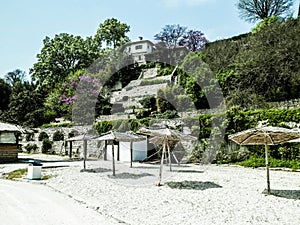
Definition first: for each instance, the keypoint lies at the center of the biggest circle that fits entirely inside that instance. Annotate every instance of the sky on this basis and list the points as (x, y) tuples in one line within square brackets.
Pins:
[(25, 23)]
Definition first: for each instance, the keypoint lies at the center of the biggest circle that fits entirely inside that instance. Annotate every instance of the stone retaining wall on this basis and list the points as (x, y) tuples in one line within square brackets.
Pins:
[(63, 147)]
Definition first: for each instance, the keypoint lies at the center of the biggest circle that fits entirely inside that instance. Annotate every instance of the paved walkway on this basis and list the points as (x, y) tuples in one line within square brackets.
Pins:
[(32, 204)]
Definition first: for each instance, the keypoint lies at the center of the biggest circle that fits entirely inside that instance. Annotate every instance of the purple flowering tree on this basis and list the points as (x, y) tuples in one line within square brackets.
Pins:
[(81, 94), (194, 40)]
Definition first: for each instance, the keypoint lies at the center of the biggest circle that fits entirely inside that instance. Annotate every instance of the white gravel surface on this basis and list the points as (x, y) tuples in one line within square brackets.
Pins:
[(214, 194)]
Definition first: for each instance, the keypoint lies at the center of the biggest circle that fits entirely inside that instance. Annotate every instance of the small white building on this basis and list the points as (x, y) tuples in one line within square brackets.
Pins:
[(139, 49), (139, 151)]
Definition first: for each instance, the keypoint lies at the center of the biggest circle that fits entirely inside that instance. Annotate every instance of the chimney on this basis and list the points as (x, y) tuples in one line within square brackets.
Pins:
[(141, 38)]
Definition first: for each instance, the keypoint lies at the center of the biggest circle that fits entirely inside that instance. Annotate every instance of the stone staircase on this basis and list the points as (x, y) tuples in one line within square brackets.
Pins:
[(130, 95)]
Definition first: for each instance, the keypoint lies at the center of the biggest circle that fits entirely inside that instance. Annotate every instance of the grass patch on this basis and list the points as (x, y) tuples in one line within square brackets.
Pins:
[(19, 173), (255, 161)]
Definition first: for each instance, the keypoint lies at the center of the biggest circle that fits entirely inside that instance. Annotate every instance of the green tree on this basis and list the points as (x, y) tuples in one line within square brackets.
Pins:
[(253, 10), (60, 56), (25, 105), (112, 32), (5, 91), (199, 81), (269, 64), (15, 76)]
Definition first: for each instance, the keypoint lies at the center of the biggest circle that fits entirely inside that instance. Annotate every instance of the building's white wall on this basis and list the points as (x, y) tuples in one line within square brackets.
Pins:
[(109, 152), (139, 54), (139, 151)]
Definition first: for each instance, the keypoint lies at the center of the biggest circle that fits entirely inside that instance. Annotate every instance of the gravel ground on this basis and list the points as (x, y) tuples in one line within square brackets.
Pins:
[(191, 194)]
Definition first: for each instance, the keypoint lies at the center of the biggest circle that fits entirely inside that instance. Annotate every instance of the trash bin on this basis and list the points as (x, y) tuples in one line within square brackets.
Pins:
[(34, 170)]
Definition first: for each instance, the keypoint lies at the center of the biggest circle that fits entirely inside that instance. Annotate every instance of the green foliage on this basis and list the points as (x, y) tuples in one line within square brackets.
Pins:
[(25, 105), (43, 135), (239, 120), (152, 82), (60, 56), (145, 122), (112, 32), (103, 126), (46, 145), (199, 82), (205, 124), (168, 114), (269, 66), (149, 103), (165, 71), (58, 136), (29, 137), (261, 67), (54, 125), (255, 161), (31, 148), (196, 156), (5, 91), (265, 23)]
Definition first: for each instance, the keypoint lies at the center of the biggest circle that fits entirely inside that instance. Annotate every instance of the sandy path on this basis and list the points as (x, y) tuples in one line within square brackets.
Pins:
[(30, 204)]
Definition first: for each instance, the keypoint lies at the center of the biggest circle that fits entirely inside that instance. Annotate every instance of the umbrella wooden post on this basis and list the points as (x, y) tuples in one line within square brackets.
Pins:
[(113, 158), (267, 168), (105, 150), (84, 153), (161, 163), (131, 153), (176, 158), (169, 153), (70, 153), (118, 152)]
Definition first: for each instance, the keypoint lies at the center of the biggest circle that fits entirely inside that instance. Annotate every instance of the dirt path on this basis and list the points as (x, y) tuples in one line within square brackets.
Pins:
[(31, 204)]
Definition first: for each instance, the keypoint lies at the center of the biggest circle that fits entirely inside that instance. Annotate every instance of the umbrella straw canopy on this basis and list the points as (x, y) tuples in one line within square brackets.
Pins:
[(264, 135), (84, 138), (115, 136), (165, 137), (267, 135), (118, 136)]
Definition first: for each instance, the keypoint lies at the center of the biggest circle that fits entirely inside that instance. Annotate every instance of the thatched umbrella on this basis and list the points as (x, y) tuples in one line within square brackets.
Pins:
[(267, 135), (115, 137), (84, 138), (165, 137)]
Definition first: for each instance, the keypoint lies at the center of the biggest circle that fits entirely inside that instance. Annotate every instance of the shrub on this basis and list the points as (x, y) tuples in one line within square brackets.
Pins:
[(153, 82), (58, 136), (43, 135), (168, 114), (46, 145), (50, 125), (29, 137), (31, 148), (103, 126)]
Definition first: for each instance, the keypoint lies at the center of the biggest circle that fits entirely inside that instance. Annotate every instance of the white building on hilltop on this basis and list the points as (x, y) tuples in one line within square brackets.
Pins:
[(138, 50)]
